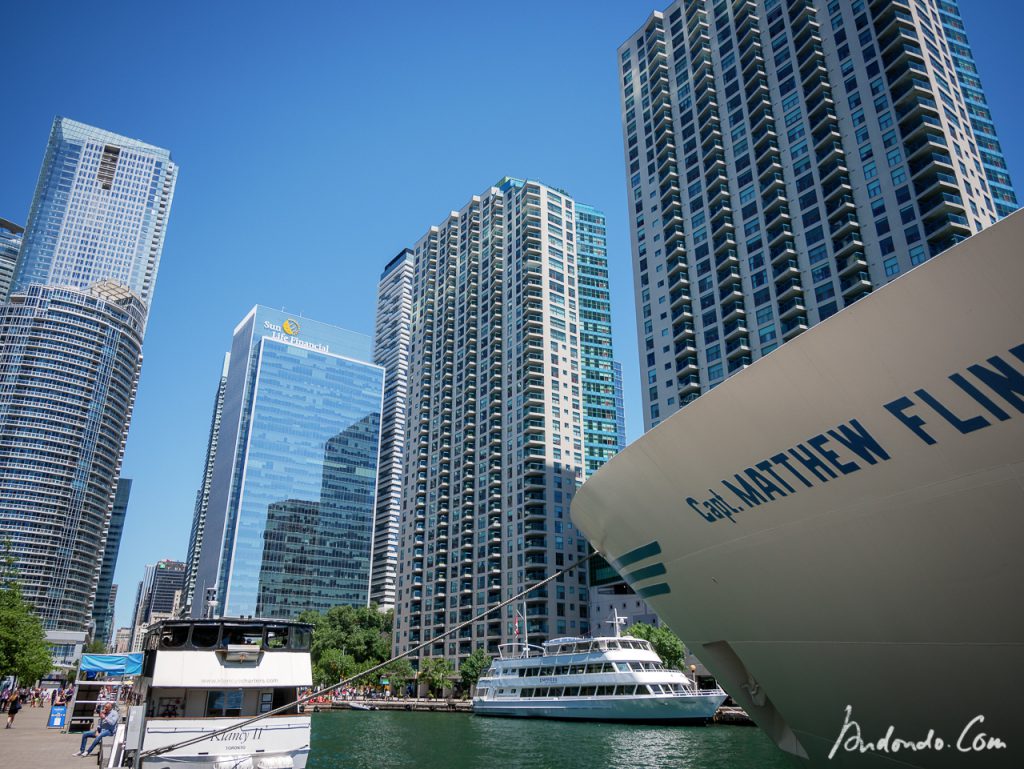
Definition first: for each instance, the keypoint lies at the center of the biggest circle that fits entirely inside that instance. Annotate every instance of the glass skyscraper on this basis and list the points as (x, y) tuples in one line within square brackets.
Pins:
[(99, 212), (510, 404), (289, 523), (106, 590), (784, 159), (69, 366), (10, 244)]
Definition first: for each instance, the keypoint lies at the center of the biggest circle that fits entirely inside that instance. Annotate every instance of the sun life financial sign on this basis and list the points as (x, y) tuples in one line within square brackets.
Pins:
[(288, 332)]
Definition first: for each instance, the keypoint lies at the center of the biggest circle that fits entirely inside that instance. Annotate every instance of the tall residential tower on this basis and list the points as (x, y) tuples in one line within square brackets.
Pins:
[(391, 350), (784, 159), (510, 400)]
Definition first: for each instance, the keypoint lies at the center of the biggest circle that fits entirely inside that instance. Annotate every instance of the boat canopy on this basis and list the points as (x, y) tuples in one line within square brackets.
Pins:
[(112, 664)]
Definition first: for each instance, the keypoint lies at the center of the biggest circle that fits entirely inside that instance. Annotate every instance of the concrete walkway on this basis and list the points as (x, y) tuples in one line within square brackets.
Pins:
[(30, 744)]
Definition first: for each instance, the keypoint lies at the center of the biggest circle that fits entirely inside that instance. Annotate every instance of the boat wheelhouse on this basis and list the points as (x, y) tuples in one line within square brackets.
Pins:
[(617, 678), (202, 676)]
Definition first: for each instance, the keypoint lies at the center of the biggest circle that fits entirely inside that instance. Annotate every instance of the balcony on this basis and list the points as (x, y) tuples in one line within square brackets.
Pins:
[(788, 289), (688, 384), (733, 330), (791, 308), (843, 224), (733, 311), (737, 347), (793, 327), (787, 269), (855, 285)]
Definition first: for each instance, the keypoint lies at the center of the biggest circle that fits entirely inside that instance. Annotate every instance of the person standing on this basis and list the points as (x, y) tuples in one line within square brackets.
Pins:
[(108, 725), (13, 706)]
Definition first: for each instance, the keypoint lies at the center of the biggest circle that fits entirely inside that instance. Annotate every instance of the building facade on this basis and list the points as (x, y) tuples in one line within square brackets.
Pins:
[(195, 539), (99, 212), (991, 151), (10, 244), (69, 366), (784, 159), (290, 517), (509, 363), (106, 590), (391, 351), (159, 596)]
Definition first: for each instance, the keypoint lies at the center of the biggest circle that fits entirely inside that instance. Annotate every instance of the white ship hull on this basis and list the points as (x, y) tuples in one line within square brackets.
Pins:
[(883, 575), (682, 709), (278, 742)]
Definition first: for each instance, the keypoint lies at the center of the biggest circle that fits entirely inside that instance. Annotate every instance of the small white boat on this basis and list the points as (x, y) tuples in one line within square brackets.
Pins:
[(202, 676), (619, 678)]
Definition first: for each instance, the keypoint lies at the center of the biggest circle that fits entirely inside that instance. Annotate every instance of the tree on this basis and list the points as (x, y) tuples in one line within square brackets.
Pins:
[(399, 673), (96, 646), (24, 652), (665, 643), (473, 667), (333, 666), (436, 672), (347, 640)]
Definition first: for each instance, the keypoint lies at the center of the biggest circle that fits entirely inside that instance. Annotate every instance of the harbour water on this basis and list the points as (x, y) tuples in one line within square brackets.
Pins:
[(399, 740)]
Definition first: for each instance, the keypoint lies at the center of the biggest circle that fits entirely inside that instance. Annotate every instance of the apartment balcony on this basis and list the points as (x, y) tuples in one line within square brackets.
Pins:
[(728, 277), (815, 67), (794, 326), (936, 182), (734, 330), (688, 384), (946, 225), (789, 268), (733, 311), (843, 224), (787, 289), (687, 366), (733, 293), (777, 235), (742, 361), (737, 347), (847, 245), (941, 203), (791, 308), (784, 250), (765, 137), (773, 182), (855, 285)]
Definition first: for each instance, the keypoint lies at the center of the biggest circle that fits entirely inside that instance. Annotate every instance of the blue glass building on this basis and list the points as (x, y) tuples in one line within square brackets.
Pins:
[(10, 244), (289, 523)]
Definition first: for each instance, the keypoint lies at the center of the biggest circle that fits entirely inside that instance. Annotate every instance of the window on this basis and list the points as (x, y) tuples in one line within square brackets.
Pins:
[(892, 266), (224, 702)]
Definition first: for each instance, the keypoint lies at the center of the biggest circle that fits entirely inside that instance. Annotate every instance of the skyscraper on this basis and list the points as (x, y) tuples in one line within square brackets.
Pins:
[(784, 159), (10, 244), (195, 540), (69, 365), (291, 505), (510, 396), (106, 590), (996, 172), (159, 596), (391, 350), (99, 212)]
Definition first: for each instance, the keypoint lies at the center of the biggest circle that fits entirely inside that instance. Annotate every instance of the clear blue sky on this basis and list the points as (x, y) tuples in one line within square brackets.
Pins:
[(315, 140)]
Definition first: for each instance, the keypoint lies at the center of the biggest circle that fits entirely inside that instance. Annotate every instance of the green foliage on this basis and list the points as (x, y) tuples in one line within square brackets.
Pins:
[(665, 643), (473, 667), (347, 640), (436, 672), (96, 647), (23, 649), (399, 673)]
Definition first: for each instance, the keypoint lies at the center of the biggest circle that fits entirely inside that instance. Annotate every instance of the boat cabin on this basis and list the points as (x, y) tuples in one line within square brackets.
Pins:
[(223, 668)]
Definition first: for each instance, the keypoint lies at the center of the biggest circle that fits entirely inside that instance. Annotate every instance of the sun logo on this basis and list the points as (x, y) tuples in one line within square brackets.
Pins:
[(290, 327)]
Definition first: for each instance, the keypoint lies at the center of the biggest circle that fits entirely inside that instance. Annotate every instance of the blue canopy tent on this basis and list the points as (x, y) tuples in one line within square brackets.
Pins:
[(101, 678), (112, 664)]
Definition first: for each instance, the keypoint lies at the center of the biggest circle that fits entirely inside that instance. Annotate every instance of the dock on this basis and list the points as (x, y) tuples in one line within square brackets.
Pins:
[(411, 705)]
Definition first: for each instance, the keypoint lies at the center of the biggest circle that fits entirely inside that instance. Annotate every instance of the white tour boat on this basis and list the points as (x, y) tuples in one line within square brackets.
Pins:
[(202, 676), (618, 678)]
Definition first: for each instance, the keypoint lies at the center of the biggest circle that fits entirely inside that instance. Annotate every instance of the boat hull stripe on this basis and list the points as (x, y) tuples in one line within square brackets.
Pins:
[(645, 551), (660, 589), (654, 570)]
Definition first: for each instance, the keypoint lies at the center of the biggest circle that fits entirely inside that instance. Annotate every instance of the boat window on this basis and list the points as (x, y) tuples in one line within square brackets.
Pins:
[(578, 669), (247, 635), (300, 638), (224, 702), (205, 636), (174, 637), (613, 645), (588, 691), (604, 691), (562, 670), (542, 692), (276, 637)]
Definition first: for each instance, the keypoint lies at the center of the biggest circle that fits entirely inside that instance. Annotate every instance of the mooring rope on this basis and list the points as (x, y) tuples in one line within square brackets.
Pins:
[(375, 668)]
